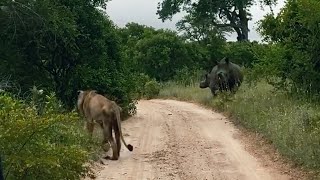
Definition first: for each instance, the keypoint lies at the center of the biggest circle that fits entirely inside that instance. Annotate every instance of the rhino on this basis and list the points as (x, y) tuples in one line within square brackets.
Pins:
[(225, 76)]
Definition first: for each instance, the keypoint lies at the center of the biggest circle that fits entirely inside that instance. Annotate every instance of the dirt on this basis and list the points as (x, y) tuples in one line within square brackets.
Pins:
[(180, 140)]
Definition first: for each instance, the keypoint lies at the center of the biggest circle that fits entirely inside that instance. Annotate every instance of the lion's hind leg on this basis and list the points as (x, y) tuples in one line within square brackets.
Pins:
[(118, 140), (107, 132), (90, 127)]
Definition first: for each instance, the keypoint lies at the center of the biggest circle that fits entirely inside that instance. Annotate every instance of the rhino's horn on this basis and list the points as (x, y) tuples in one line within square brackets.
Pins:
[(227, 60)]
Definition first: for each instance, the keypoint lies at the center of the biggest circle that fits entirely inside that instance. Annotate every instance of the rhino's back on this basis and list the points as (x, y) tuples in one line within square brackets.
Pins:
[(237, 73), (213, 71)]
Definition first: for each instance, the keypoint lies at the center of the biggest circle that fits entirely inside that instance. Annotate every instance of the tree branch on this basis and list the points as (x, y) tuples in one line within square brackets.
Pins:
[(226, 25)]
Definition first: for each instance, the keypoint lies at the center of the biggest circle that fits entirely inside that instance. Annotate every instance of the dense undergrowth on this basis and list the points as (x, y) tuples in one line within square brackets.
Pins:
[(293, 126), (46, 144)]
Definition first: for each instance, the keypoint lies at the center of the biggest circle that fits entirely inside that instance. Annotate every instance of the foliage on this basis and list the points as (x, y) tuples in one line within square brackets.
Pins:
[(140, 80), (223, 15), (129, 37), (296, 31), (187, 76), (245, 53), (200, 30), (292, 126), (151, 89), (156, 53), (63, 46), (268, 67), (161, 55), (47, 146)]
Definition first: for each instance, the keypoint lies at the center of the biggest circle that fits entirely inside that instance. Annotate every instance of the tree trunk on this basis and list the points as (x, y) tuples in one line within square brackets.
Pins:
[(239, 33), (243, 36), (238, 21)]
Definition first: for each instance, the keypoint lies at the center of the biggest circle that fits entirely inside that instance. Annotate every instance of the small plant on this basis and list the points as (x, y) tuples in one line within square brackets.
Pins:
[(37, 99), (151, 89), (140, 80)]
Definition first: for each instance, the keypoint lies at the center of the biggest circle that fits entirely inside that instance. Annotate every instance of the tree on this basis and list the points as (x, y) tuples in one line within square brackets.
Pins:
[(160, 55), (295, 30), (130, 35), (222, 14), (199, 30), (63, 46)]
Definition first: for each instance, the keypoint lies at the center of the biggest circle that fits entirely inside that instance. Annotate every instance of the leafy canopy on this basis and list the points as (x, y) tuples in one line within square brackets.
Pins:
[(62, 46), (225, 15), (295, 30)]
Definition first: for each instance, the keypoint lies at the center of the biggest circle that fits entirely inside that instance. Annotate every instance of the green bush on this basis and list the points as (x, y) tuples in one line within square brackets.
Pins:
[(140, 80), (151, 89), (162, 54), (295, 30), (67, 46), (244, 53), (52, 145)]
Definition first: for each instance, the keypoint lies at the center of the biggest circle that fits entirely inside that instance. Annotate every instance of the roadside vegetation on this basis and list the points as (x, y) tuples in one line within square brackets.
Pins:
[(291, 125), (50, 49)]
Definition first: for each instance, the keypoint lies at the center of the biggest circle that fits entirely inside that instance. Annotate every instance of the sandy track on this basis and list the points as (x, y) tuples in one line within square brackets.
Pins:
[(179, 140)]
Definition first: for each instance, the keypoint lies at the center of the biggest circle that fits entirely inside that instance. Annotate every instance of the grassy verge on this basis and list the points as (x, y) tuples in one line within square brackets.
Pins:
[(292, 126)]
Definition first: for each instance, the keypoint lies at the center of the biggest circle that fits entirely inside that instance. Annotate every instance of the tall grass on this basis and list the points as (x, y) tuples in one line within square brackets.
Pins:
[(293, 126)]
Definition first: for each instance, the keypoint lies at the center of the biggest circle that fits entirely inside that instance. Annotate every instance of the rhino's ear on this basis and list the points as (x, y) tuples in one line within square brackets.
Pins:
[(80, 91)]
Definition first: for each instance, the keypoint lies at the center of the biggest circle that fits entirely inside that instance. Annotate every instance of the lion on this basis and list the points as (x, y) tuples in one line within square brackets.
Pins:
[(97, 108)]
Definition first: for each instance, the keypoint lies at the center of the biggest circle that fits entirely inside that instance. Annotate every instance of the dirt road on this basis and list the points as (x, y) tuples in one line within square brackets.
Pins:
[(179, 140)]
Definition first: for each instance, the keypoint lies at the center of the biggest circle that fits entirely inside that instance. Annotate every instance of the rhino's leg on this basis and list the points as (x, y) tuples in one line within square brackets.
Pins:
[(212, 88), (235, 88), (231, 88), (213, 92)]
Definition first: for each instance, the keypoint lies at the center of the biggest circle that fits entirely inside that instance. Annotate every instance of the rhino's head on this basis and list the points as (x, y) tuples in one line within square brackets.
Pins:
[(222, 74), (205, 82)]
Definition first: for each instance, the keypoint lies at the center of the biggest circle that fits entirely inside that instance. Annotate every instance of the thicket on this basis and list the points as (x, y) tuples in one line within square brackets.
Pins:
[(63, 46), (47, 145), (294, 53), (158, 54)]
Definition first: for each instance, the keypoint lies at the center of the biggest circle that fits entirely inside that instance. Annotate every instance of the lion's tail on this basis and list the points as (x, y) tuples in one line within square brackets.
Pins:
[(117, 113)]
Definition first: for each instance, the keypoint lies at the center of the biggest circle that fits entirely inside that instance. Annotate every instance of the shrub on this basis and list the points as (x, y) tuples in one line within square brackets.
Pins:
[(295, 30), (162, 54), (47, 146), (244, 53), (140, 80), (151, 89), (67, 46)]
